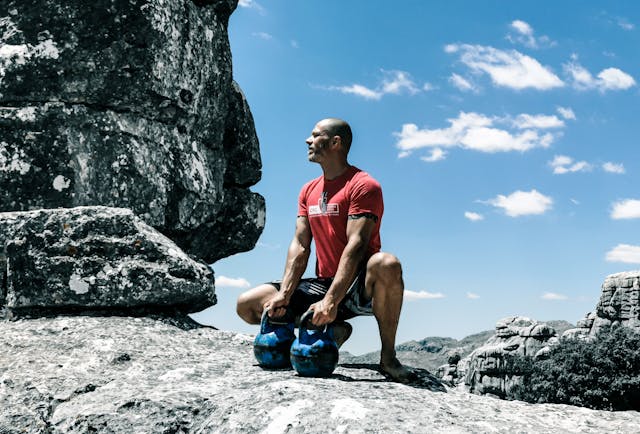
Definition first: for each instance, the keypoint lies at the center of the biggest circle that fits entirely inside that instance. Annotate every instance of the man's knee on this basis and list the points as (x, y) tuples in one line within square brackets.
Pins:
[(249, 303), (385, 265)]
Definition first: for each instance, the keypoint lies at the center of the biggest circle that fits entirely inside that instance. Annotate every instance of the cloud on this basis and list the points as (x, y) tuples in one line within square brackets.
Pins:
[(524, 121), (626, 209), (294, 43), (553, 296), (229, 282), (607, 79), (473, 216), (562, 164), (523, 34), (624, 253), (521, 203), (393, 83), (472, 296), (462, 83), (421, 295), (624, 24), (250, 4), (613, 168), (477, 132), (510, 69), (263, 35), (437, 154), (566, 113)]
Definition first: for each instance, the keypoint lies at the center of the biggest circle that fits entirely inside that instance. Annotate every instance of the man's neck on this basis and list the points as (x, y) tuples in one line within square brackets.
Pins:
[(334, 169)]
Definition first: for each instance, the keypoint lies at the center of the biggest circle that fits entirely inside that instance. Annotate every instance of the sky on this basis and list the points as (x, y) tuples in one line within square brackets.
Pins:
[(504, 135)]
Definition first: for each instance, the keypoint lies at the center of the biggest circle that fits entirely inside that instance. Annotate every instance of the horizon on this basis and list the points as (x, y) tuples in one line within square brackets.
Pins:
[(505, 138)]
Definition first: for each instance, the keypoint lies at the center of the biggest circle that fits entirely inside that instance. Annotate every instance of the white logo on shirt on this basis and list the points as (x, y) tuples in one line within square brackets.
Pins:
[(324, 208)]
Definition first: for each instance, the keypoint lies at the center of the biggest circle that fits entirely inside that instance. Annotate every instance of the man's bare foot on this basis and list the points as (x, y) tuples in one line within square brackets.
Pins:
[(341, 331), (394, 370)]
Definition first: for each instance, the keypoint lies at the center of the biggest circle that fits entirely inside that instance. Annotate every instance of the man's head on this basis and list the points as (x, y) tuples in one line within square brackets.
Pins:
[(330, 138)]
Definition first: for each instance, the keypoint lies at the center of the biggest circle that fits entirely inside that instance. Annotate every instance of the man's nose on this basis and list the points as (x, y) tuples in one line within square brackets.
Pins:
[(309, 141)]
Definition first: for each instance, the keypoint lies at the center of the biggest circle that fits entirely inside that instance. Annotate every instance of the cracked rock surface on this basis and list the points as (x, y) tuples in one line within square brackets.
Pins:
[(129, 103), (95, 258), (119, 374)]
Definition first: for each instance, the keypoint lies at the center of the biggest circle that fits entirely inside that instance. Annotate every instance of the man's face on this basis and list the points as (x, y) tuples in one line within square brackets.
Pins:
[(317, 143)]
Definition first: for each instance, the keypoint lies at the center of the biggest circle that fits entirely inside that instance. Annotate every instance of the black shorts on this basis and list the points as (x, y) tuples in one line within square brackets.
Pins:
[(312, 290)]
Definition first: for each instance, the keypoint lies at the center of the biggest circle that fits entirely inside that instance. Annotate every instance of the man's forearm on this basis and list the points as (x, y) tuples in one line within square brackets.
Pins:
[(297, 259), (348, 267)]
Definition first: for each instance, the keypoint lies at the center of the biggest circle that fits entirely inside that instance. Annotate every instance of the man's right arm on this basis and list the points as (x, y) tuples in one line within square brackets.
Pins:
[(297, 259)]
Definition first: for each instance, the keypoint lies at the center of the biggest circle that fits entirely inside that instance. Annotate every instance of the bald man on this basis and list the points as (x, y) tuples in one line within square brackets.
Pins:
[(341, 210)]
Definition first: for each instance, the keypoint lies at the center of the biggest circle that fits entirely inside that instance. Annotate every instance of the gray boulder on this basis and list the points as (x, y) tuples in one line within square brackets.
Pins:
[(126, 375), (486, 370), (619, 304), (129, 103), (95, 259)]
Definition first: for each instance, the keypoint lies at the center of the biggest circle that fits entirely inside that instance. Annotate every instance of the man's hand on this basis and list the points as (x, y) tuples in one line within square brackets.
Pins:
[(324, 312), (277, 305)]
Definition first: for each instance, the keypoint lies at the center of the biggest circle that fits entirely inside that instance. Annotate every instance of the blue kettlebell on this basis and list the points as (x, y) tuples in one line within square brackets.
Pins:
[(271, 346), (314, 353)]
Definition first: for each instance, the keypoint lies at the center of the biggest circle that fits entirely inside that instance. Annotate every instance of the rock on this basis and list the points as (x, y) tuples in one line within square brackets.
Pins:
[(619, 304), (142, 114), (120, 375), (486, 369), (95, 258)]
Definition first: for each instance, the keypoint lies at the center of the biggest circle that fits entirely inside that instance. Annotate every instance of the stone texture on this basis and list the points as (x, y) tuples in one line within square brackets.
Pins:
[(129, 103), (95, 258), (485, 370), (125, 375), (619, 304)]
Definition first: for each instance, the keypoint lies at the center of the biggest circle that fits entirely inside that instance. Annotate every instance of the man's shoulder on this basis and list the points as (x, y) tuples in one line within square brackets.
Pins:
[(360, 177)]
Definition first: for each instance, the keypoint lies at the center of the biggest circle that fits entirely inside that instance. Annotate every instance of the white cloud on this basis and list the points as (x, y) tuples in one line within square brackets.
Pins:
[(250, 4), (427, 87), (624, 253), (229, 282), (538, 121), (421, 295), (626, 209), (607, 79), (478, 132), (461, 83), (393, 83), (566, 113), (574, 201), (472, 296), (437, 154), (624, 24), (510, 69), (294, 44), (473, 216), (562, 164), (553, 296), (520, 203), (524, 34), (613, 167), (263, 35)]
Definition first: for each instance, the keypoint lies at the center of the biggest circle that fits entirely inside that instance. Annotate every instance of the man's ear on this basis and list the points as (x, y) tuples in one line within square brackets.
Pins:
[(336, 141)]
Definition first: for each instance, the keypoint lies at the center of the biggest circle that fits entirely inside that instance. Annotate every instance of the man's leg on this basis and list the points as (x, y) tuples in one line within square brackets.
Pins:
[(384, 286), (250, 303)]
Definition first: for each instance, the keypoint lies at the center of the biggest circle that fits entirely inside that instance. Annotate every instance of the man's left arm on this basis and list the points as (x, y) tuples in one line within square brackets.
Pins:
[(359, 232)]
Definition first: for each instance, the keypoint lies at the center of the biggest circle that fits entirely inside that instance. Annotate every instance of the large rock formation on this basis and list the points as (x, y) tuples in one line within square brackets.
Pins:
[(619, 304), (129, 103), (116, 375), (95, 259), (486, 369)]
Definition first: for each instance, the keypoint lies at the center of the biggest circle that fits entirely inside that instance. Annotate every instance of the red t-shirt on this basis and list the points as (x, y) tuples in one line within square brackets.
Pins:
[(328, 203)]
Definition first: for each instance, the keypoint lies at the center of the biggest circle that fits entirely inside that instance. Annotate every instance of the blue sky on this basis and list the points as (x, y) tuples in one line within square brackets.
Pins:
[(504, 134)]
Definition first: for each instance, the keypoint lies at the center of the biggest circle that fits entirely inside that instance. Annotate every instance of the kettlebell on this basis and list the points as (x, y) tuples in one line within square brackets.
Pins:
[(271, 346), (314, 353)]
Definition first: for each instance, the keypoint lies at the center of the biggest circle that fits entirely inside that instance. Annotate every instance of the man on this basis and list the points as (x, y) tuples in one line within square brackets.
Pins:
[(342, 211)]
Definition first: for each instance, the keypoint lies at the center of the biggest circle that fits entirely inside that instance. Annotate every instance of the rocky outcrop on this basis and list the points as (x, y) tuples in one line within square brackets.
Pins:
[(486, 369), (619, 304), (129, 103), (118, 374), (95, 259)]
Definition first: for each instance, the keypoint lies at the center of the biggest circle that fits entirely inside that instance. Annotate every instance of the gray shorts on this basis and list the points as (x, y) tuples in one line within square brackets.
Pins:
[(312, 290)]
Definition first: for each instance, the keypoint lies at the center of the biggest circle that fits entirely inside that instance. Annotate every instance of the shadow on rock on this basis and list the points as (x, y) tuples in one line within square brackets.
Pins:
[(421, 378)]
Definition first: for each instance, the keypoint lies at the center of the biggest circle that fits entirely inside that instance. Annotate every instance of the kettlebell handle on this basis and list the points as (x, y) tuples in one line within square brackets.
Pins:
[(305, 322), (276, 321)]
